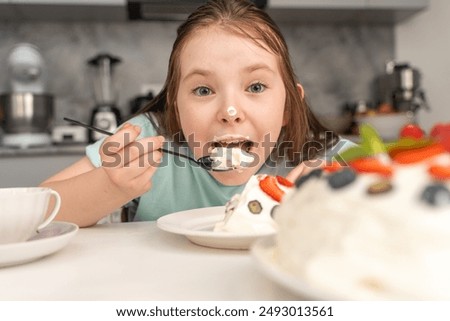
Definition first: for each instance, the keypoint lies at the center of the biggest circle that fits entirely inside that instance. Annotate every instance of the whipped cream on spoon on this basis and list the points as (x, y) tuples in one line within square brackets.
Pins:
[(218, 161)]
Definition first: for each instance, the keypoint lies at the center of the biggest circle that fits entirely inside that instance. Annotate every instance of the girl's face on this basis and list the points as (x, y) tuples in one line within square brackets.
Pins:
[(230, 91)]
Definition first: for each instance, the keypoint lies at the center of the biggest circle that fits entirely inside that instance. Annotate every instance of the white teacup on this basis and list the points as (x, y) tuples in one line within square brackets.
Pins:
[(22, 212)]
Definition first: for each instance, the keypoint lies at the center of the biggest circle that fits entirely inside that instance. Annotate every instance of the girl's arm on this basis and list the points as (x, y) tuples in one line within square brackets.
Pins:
[(89, 193), (86, 192)]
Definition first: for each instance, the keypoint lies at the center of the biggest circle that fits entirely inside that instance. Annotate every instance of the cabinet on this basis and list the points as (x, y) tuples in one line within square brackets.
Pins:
[(396, 4), (24, 171), (348, 4), (6, 10), (372, 11), (359, 11), (395, 11), (316, 4), (63, 10), (69, 2), (29, 167)]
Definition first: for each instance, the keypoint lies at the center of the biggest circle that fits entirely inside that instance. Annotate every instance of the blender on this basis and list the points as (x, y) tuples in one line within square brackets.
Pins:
[(105, 115)]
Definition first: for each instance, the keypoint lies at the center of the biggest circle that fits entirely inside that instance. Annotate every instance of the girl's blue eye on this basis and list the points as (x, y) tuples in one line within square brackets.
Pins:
[(257, 88), (202, 91)]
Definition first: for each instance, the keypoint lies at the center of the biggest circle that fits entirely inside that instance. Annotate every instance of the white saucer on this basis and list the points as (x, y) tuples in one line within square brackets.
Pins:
[(49, 240), (197, 226)]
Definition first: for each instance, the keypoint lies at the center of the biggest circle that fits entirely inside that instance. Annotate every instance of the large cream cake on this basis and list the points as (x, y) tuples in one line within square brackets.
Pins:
[(375, 226)]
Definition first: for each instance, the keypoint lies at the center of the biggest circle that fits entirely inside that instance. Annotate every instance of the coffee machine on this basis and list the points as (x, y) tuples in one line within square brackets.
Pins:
[(105, 115), (407, 95)]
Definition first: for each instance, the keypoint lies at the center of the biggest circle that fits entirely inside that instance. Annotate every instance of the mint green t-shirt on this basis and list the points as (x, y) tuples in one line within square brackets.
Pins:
[(178, 184)]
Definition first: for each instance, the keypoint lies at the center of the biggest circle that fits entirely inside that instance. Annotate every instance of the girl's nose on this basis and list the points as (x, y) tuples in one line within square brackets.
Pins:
[(231, 114)]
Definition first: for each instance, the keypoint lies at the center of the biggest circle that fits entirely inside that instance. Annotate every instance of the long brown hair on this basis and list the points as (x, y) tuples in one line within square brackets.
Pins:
[(242, 17)]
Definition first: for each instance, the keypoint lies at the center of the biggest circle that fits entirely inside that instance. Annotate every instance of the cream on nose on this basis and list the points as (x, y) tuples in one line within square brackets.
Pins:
[(231, 111), (230, 115)]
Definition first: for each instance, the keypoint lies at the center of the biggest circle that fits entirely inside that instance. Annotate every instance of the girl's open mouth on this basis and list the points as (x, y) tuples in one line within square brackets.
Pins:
[(231, 152), (244, 145), (233, 142)]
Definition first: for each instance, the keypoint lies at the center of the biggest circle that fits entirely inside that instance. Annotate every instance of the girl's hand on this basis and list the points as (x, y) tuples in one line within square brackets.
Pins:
[(304, 168), (130, 163)]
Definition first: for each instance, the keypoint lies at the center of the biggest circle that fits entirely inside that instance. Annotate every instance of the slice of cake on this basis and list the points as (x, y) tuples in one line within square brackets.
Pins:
[(252, 210)]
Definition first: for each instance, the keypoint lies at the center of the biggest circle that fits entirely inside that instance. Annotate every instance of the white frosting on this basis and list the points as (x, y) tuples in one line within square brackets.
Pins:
[(235, 157), (358, 246), (239, 218)]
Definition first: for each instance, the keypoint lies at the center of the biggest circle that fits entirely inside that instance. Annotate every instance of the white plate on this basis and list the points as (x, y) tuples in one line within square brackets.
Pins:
[(197, 225), (49, 240), (263, 253)]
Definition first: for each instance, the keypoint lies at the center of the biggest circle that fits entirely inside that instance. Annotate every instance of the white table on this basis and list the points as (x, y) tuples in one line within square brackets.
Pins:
[(137, 261)]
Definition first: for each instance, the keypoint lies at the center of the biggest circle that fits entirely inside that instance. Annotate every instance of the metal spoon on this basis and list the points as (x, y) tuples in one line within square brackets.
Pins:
[(205, 162)]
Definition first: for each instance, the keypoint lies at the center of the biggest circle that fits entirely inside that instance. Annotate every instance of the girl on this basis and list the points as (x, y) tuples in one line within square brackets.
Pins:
[(230, 83)]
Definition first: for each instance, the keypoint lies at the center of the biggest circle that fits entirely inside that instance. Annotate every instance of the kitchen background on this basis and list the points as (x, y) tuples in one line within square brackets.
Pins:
[(337, 62), (425, 41)]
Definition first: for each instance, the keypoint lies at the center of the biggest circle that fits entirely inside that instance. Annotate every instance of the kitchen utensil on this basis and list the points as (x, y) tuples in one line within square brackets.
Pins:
[(26, 69), (205, 162), (26, 112), (69, 135), (105, 115), (405, 87), (26, 119)]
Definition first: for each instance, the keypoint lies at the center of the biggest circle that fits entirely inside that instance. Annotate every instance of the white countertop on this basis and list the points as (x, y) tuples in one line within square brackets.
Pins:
[(137, 261)]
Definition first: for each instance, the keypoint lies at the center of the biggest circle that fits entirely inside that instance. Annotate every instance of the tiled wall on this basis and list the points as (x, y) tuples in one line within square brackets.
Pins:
[(335, 63)]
